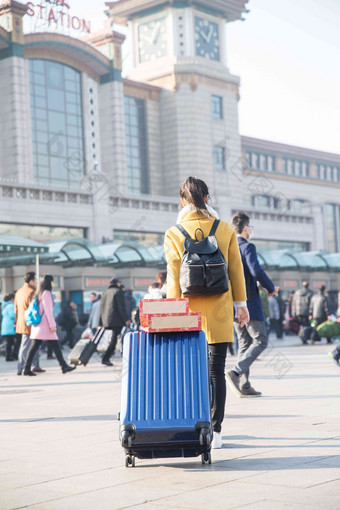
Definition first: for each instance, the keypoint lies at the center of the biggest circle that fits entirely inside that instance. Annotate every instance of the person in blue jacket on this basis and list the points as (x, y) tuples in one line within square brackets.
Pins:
[(252, 338), (8, 325)]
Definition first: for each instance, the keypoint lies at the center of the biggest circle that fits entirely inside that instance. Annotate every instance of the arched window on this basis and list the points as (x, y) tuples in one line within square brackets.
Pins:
[(57, 123)]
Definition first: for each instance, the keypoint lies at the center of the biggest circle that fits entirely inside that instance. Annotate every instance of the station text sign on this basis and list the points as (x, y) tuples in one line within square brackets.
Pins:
[(56, 12)]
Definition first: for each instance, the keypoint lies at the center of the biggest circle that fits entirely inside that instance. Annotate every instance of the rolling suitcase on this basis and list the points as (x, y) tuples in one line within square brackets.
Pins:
[(166, 396), (305, 333), (84, 349)]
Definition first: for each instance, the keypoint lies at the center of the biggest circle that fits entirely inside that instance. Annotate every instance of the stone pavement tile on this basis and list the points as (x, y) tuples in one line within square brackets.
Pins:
[(21, 479), (113, 498), (299, 475), (95, 480), (270, 504), (24, 498)]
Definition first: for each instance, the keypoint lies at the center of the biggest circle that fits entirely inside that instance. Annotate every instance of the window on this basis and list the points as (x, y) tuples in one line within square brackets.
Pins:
[(217, 107), (219, 158), (332, 217), (328, 173), (296, 167), (136, 145), (263, 201), (260, 161), (298, 205), (42, 233), (270, 244), (57, 123)]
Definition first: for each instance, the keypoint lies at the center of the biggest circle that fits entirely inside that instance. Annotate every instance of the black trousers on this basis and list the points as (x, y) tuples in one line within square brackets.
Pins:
[(35, 346), (112, 345), (218, 353), (9, 346)]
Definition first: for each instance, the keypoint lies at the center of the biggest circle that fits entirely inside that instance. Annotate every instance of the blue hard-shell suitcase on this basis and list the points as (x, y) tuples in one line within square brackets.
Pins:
[(166, 396)]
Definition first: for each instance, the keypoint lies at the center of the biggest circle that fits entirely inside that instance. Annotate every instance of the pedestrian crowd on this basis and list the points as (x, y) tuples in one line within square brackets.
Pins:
[(248, 308)]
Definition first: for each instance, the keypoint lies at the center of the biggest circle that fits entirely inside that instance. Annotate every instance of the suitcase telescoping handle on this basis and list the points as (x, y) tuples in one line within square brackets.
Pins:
[(98, 336), (212, 393)]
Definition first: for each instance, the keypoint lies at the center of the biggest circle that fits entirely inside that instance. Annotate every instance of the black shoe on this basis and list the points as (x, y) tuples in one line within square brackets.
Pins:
[(18, 373), (10, 359), (107, 363), (68, 368), (29, 372), (51, 357)]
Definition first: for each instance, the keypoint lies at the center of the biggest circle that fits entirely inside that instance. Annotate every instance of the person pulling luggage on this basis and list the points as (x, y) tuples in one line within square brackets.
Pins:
[(113, 316), (197, 218)]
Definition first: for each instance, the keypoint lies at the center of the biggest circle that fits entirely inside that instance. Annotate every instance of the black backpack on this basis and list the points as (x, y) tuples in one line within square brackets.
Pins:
[(203, 267)]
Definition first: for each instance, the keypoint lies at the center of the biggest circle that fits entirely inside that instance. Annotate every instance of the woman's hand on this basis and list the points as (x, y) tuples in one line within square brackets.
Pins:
[(53, 330), (242, 315)]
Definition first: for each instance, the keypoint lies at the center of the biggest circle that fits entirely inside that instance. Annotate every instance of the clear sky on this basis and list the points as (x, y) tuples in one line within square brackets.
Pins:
[(287, 53)]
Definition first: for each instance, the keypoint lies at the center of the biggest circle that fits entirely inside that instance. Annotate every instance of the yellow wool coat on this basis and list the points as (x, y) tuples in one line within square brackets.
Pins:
[(217, 311)]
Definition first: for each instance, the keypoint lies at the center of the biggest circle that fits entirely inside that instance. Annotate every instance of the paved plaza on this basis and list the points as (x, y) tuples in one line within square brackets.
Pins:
[(60, 450)]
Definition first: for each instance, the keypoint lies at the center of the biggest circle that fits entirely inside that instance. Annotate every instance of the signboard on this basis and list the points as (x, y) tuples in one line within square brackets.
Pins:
[(291, 284), (55, 16), (95, 282), (318, 283), (143, 283)]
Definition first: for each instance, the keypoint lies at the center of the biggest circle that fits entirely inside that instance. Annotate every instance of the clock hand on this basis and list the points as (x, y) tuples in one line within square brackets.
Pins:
[(156, 36), (210, 34), (202, 33)]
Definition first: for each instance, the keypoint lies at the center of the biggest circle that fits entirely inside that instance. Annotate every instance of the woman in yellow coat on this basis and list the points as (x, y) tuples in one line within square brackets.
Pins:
[(217, 310)]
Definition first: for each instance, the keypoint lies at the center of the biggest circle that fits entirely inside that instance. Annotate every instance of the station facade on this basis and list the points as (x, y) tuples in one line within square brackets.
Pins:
[(89, 154)]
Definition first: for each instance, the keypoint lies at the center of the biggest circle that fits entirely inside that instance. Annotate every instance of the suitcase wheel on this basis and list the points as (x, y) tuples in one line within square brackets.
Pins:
[(204, 437), (130, 461), (206, 458)]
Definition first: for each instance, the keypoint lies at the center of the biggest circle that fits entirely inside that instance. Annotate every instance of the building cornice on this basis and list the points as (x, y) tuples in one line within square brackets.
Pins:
[(249, 143), (141, 90), (292, 178), (14, 7), (123, 10)]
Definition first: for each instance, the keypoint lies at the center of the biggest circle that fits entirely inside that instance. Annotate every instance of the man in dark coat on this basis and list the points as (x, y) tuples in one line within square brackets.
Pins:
[(300, 304), (113, 316), (319, 312), (252, 338), (68, 319)]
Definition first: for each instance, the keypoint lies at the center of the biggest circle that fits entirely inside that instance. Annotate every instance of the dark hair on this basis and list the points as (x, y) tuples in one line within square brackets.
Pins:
[(194, 191), (161, 277), (93, 294), (322, 288), (239, 221), (30, 276), (156, 285), (6, 298), (45, 284), (83, 319)]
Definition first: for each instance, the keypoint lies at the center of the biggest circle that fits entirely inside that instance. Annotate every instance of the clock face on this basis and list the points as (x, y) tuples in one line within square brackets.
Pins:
[(152, 40), (207, 39)]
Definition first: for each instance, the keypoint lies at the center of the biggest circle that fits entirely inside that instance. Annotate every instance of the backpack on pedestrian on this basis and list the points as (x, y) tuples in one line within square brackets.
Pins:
[(203, 270), (32, 315)]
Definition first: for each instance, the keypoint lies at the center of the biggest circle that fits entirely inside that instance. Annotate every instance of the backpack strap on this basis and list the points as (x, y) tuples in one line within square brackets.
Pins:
[(182, 229), (214, 227)]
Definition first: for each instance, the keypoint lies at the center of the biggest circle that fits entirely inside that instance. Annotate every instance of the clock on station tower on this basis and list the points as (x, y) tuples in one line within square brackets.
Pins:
[(207, 39), (175, 34), (152, 40)]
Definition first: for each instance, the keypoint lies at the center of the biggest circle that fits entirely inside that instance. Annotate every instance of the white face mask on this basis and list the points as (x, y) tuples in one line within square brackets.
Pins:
[(251, 235)]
